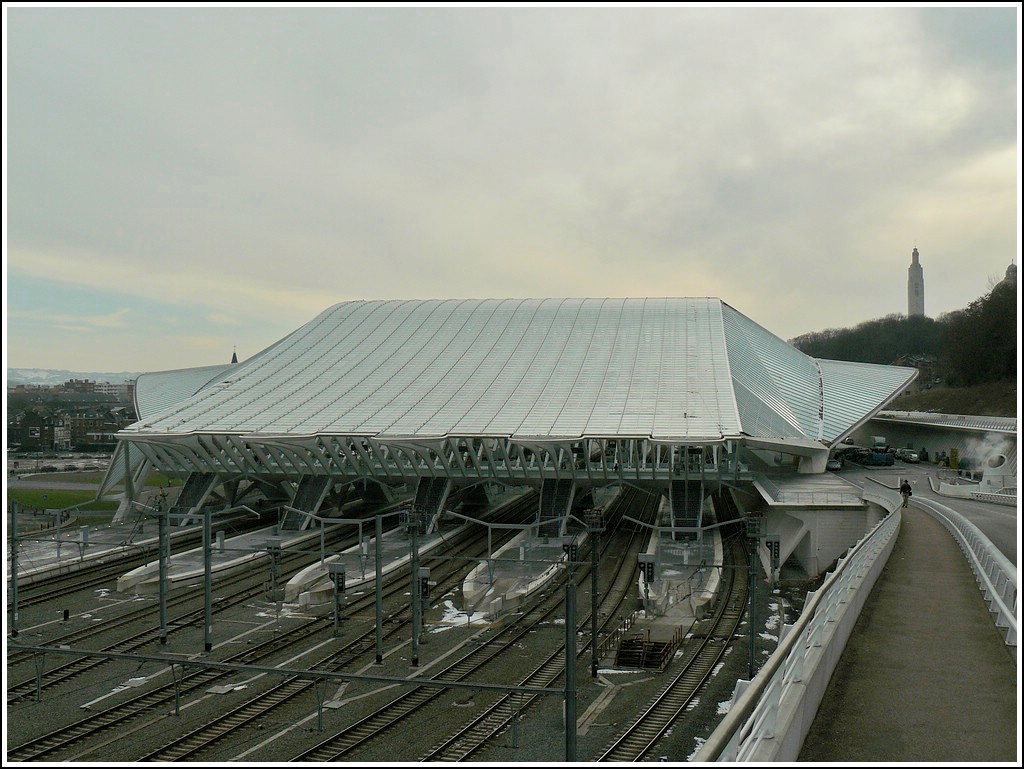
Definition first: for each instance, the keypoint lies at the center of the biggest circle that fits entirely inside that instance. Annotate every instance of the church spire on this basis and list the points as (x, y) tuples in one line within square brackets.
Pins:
[(234, 355)]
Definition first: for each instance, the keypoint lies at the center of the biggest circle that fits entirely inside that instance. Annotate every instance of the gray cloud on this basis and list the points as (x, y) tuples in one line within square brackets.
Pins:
[(377, 152)]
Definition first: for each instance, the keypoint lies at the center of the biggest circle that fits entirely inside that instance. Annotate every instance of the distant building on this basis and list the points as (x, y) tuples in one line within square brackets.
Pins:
[(122, 391), (915, 286), (927, 371)]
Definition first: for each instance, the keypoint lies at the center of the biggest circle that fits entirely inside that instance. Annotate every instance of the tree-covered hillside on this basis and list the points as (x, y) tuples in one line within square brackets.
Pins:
[(968, 347)]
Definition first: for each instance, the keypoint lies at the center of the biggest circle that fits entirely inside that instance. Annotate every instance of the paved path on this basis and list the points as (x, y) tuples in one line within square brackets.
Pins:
[(926, 675)]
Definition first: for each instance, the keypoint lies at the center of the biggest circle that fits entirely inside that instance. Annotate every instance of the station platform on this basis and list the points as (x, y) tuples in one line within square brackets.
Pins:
[(53, 551), (500, 584), (669, 605), (228, 555), (314, 585), (925, 675)]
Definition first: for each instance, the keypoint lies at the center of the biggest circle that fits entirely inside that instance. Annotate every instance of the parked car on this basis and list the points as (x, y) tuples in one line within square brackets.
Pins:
[(834, 463), (908, 455), (857, 455)]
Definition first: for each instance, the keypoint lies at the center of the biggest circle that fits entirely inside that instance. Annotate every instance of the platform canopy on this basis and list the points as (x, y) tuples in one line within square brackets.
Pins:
[(391, 389), (664, 370)]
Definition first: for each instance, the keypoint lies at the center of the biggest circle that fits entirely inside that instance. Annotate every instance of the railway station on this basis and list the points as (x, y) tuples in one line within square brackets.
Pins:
[(398, 427), (444, 402)]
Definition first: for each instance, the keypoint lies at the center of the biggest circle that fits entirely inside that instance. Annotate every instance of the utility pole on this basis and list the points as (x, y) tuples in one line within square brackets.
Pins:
[(570, 670), (754, 523), (207, 584), (14, 570), (164, 556), (595, 523), (378, 533), (414, 520)]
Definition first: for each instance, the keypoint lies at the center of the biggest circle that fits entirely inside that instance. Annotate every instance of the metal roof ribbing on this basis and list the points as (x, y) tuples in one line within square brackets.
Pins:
[(854, 391), (157, 391), (686, 369), (776, 386)]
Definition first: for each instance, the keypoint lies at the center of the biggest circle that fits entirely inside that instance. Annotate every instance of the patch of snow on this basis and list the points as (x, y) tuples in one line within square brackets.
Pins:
[(453, 616), (698, 744)]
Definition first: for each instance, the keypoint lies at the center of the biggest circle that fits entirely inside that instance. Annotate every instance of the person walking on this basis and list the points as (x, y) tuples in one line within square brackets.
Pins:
[(906, 491)]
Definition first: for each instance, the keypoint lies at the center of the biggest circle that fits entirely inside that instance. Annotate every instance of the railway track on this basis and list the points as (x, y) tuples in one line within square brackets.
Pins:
[(41, 681), (76, 735), (195, 742), (53, 584), (385, 718), (469, 740), (501, 715), (643, 734)]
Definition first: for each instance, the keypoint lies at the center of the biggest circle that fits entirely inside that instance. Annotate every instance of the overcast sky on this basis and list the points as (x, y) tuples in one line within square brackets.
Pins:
[(184, 182)]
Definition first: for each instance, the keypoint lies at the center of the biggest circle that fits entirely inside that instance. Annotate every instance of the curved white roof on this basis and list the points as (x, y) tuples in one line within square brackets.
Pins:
[(669, 369), (156, 391)]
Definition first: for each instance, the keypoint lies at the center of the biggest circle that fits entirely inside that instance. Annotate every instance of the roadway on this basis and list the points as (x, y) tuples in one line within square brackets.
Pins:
[(997, 522)]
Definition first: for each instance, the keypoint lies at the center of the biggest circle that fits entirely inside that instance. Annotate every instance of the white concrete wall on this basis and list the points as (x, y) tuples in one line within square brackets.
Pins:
[(829, 533)]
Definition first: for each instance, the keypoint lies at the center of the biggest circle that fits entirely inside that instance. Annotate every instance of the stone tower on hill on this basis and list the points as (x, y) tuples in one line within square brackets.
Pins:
[(915, 286)]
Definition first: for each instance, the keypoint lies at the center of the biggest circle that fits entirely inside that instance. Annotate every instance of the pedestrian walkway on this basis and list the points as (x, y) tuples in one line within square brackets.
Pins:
[(925, 675)]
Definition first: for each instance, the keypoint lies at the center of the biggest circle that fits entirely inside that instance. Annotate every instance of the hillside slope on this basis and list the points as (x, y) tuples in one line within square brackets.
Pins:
[(994, 399)]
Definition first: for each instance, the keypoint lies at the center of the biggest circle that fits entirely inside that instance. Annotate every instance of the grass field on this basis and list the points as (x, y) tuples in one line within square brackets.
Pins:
[(995, 399), (58, 497)]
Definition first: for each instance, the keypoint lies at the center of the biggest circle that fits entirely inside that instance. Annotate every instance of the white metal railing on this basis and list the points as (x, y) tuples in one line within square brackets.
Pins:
[(762, 721), (995, 574), (965, 421), (819, 498), (791, 496), (809, 648), (1009, 498)]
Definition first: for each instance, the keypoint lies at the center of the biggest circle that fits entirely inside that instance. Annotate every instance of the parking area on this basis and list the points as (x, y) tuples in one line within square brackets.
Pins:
[(65, 462)]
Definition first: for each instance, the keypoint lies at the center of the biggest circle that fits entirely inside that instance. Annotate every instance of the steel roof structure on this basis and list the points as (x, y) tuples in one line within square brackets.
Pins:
[(383, 387)]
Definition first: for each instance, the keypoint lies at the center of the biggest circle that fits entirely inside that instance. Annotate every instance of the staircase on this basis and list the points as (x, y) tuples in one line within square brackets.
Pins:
[(555, 501), (686, 499), (636, 652)]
